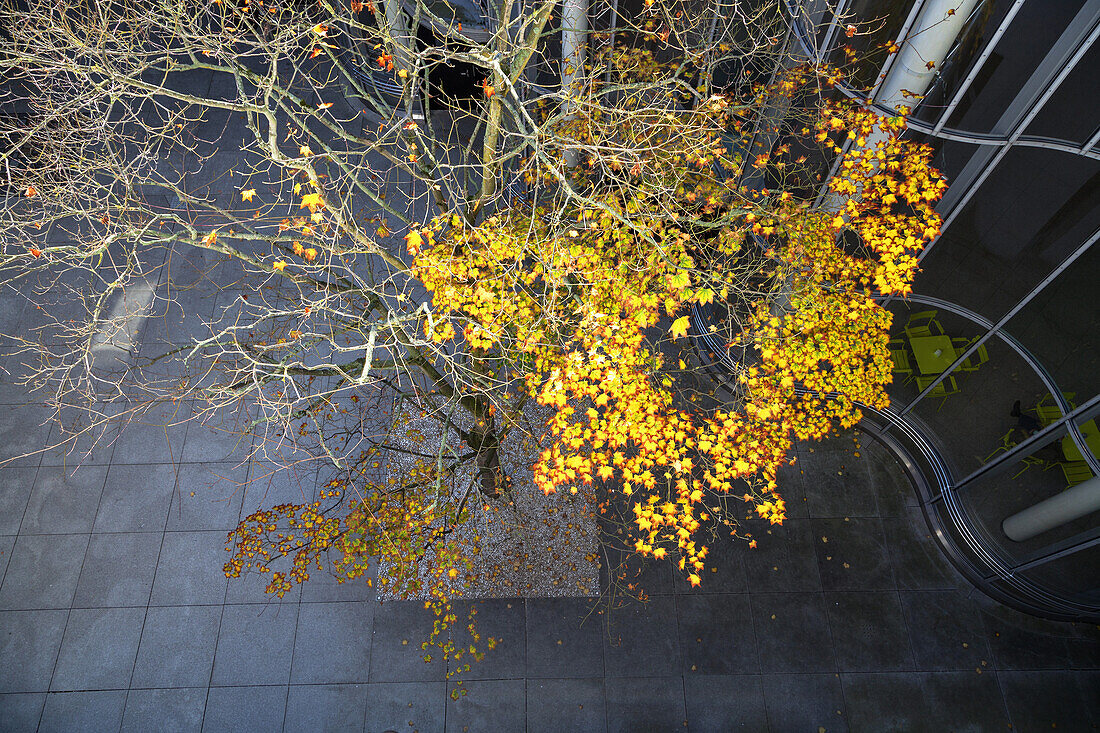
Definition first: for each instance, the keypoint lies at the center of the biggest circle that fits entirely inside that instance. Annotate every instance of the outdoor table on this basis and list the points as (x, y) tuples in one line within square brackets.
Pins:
[(934, 353), (1092, 440)]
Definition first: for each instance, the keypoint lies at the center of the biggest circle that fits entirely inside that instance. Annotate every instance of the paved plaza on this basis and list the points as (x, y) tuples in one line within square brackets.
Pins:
[(115, 615)]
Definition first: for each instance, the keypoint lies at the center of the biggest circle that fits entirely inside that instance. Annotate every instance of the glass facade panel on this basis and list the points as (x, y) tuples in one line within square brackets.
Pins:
[(1033, 210), (881, 23), (1075, 574), (1064, 116), (983, 25), (971, 413), (1003, 492), (1032, 33), (1059, 326)]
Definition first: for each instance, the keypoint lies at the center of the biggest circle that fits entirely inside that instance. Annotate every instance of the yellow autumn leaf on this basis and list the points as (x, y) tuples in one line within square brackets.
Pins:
[(312, 201), (680, 327), (247, 195), (280, 265)]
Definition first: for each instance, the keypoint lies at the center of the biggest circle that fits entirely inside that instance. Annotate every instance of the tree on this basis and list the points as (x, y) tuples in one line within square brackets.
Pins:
[(412, 278)]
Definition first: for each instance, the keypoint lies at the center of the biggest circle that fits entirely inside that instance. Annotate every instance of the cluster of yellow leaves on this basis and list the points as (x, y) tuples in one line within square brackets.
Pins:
[(889, 188), (573, 305), (392, 529)]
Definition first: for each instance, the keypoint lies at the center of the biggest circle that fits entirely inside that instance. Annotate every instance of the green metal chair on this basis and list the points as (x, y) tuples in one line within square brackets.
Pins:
[(975, 360), (1047, 409), (923, 323), (1076, 472), (1005, 444), (947, 387), (899, 355)]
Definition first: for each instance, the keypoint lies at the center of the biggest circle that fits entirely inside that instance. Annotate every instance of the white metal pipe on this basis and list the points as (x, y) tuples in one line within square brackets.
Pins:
[(924, 50), (909, 74), (574, 32), (1071, 504), (977, 66)]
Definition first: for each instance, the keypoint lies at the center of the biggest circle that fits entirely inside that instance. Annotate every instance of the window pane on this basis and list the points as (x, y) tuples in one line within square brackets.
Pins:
[(972, 412), (1059, 327), (1068, 115), (1034, 209)]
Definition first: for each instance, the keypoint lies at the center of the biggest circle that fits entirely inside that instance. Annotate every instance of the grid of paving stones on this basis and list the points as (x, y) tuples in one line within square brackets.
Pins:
[(115, 615)]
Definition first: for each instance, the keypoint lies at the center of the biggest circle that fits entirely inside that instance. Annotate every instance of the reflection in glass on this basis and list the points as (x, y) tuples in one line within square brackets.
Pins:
[(1059, 326), (1035, 209)]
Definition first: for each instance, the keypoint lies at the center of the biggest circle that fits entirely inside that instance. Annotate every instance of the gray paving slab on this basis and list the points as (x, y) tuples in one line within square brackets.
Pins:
[(564, 638), (43, 571), (177, 647), (1046, 700), (804, 702), (118, 570), (645, 703), (22, 710), (405, 706), (64, 500), (869, 631), (332, 643), (245, 709), (29, 644), (255, 645), (77, 712), (725, 703), (643, 639), (178, 710), (852, 554), (783, 559), (316, 707), (945, 630), (136, 498), (24, 433), (566, 704), (792, 632), (396, 656), (152, 434), (190, 569), (502, 619), (7, 544), (488, 705), (15, 491), (717, 635), (208, 496), (99, 649)]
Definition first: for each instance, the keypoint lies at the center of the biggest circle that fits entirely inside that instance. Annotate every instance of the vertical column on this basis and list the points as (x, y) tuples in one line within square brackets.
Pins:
[(574, 29)]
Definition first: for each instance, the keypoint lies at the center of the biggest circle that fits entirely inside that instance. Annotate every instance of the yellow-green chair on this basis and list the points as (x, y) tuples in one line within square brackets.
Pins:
[(1076, 472), (1048, 411), (975, 360), (947, 387), (899, 355), (923, 323)]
